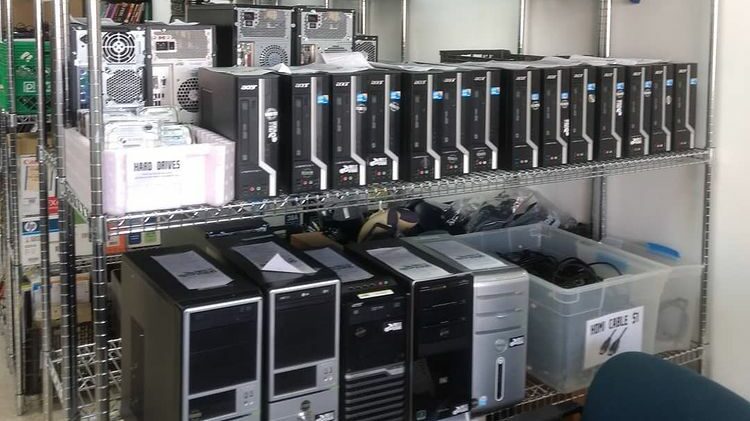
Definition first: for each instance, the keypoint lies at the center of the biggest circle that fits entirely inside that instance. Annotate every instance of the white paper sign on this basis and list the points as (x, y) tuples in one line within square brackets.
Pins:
[(613, 334), (273, 258), (145, 174), (461, 253), (345, 269), (405, 262), (192, 270)]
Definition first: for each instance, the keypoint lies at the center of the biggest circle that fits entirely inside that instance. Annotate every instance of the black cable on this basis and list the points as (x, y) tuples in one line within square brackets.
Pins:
[(608, 264), (571, 272)]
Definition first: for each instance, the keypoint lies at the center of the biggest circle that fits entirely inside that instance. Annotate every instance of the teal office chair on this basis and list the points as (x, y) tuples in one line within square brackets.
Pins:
[(635, 386)]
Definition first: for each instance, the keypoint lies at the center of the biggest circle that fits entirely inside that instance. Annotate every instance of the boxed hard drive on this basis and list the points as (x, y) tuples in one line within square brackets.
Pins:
[(243, 105), (685, 95), (305, 124)]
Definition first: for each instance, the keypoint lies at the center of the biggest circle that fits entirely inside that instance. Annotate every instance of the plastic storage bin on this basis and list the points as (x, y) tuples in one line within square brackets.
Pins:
[(569, 328), (678, 327), (178, 176)]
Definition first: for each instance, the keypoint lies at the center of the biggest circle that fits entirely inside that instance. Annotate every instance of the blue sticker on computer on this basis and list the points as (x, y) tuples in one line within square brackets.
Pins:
[(362, 98), (437, 95), (649, 84), (670, 82), (323, 99), (564, 95), (694, 81), (466, 93), (495, 91), (591, 87), (535, 96), (620, 86), (395, 95)]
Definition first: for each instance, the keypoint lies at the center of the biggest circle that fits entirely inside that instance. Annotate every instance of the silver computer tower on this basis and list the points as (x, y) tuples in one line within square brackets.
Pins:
[(177, 52), (264, 36), (320, 30)]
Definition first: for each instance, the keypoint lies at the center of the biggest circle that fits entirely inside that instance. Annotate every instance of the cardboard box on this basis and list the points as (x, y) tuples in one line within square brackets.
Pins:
[(83, 295), (28, 179), (31, 246)]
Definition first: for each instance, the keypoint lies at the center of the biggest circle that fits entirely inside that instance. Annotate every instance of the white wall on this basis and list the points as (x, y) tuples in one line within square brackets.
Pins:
[(730, 236)]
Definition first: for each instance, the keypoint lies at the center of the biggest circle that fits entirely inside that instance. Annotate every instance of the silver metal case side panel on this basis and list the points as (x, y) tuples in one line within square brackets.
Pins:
[(266, 46)]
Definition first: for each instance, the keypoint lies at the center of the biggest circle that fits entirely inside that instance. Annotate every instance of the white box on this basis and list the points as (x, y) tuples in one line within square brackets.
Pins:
[(28, 187), (147, 179), (31, 244)]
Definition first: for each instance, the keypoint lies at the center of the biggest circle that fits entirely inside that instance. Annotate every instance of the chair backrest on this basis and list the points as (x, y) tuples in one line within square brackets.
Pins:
[(636, 386)]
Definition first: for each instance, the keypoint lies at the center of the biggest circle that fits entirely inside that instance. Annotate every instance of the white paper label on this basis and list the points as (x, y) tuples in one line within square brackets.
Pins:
[(468, 257), (613, 334), (405, 262), (345, 269), (146, 175), (273, 258), (192, 270), (375, 294)]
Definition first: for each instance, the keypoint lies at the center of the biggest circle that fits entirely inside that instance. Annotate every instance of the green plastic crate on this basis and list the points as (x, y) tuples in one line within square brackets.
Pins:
[(24, 65)]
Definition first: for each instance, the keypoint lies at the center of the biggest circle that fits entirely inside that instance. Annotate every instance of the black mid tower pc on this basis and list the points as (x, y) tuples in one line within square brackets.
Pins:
[(555, 115), (483, 136), (440, 328), (365, 127), (191, 331), (300, 325), (582, 114), (305, 125), (685, 100), (242, 104), (610, 112), (373, 339), (662, 111), (637, 110), (520, 117)]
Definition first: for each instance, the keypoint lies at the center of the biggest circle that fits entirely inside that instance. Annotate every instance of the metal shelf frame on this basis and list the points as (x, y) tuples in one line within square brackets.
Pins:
[(86, 378)]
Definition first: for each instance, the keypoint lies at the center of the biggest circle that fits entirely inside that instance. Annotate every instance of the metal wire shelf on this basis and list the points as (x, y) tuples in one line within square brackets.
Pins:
[(538, 395), (385, 193), (86, 378)]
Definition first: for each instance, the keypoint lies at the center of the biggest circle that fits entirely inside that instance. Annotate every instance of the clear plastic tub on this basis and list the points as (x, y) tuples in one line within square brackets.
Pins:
[(678, 327), (563, 344)]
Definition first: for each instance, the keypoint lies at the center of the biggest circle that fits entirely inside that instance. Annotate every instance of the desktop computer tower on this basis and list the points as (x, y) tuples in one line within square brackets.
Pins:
[(610, 112), (481, 119), (249, 35), (192, 335), (242, 104), (662, 107), (685, 102), (638, 108), (555, 115), (301, 325), (373, 339), (440, 327), (455, 96), (501, 296), (321, 30), (304, 115), (177, 52), (520, 118), (421, 126), (582, 114)]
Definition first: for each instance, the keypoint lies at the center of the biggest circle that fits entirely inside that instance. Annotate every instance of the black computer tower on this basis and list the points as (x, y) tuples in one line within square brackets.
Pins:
[(421, 127), (440, 327), (520, 119), (582, 114), (365, 127), (454, 91), (191, 338), (662, 107), (321, 30), (638, 110), (242, 104), (301, 325), (610, 112), (374, 330), (249, 35), (304, 113), (555, 115), (482, 139), (685, 102)]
